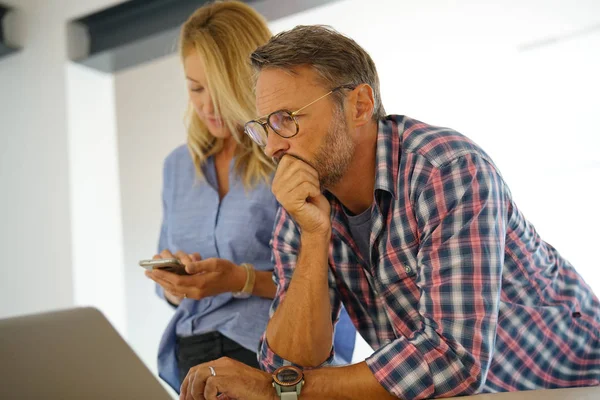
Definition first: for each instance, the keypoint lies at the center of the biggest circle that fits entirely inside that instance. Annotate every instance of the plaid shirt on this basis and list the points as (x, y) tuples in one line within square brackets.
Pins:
[(460, 295)]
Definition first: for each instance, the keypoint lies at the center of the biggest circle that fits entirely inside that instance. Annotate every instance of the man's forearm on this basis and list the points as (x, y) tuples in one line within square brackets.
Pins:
[(301, 329), (343, 383)]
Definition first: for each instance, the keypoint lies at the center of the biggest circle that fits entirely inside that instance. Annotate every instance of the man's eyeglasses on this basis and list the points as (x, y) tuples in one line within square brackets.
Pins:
[(282, 122)]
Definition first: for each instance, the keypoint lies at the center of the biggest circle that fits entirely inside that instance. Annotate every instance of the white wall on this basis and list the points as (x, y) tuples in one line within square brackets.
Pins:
[(96, 226), (61, 233), (150, 104), (35, 236), (46, 174)]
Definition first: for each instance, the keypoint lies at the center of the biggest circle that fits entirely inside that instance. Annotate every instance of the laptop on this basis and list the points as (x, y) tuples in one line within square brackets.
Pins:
[(71, 354)]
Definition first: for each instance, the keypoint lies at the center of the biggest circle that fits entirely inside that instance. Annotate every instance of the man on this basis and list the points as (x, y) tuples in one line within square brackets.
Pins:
[(413, 229)]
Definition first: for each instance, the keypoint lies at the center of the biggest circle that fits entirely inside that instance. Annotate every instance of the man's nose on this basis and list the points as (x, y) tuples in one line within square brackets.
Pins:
[(275, 144)]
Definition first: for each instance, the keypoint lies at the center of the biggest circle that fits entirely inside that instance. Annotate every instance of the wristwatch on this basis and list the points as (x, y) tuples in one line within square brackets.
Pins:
[(249, 285), (288, 382)]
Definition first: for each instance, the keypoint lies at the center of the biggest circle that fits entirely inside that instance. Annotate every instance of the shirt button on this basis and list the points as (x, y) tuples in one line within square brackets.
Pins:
[(407, 269)]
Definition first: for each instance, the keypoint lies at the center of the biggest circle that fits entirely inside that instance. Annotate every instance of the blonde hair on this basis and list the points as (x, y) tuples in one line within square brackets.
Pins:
[(224, 34)]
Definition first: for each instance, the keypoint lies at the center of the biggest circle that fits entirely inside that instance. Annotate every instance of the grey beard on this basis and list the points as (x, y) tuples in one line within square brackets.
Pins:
[(335, 154)]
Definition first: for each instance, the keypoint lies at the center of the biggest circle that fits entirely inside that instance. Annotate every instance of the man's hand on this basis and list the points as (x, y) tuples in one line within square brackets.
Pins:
[(296, 187), (232, 380), (208, 277)]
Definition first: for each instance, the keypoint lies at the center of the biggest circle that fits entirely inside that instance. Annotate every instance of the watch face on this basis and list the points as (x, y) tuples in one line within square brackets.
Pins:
[(288, 376)]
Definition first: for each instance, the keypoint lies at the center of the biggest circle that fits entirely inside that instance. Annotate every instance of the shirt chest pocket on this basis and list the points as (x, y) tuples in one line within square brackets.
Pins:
[(396, 281), (395, 264)]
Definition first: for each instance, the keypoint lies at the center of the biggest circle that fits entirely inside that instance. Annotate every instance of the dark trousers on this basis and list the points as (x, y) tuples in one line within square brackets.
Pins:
[(199, 349)]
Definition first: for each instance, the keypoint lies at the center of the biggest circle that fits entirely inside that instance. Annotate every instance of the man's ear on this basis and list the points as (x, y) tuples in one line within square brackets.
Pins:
[(363, 104)]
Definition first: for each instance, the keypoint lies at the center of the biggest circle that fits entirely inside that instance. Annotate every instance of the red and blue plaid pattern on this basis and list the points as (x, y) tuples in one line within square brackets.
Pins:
[(460, 294)]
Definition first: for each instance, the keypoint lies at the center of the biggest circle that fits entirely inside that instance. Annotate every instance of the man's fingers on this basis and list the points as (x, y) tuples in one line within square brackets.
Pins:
[(292, 159), (196, 389), (302, 184), (320, 201), (195, 383), (290, 166), (306, 190), (216, 385), (297, 179), (292, 162), (283, 187), (298, 168), (184, 387), (196, 257)]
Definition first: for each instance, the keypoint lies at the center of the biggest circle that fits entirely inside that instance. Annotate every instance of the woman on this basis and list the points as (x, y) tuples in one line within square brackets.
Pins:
[(218, 207)]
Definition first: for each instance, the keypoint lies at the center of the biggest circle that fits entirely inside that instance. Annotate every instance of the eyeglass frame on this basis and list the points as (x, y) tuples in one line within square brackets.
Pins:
[(292, 114)]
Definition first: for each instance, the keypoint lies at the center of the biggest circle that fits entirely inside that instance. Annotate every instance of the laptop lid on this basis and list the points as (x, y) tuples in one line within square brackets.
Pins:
[(71, 354)]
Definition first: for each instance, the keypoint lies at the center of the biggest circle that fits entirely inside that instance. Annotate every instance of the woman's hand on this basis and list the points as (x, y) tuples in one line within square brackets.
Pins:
[(206, 278)]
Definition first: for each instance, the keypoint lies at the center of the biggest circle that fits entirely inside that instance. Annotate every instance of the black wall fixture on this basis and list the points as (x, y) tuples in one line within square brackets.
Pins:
[(138, 31), (5, 48)]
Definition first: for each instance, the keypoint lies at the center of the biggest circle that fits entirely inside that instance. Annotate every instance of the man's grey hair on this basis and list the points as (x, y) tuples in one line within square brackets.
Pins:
[(337, 59)]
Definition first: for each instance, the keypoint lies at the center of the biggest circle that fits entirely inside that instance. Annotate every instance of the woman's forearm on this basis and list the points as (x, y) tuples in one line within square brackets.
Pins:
[(264, 285), (171, 298)]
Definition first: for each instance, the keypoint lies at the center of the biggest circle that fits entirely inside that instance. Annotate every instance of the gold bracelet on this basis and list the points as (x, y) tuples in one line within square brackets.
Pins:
[(250, 278), (249, 285)]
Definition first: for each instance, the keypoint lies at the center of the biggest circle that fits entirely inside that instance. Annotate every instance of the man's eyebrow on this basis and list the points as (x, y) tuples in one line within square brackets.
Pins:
[(278, 109)]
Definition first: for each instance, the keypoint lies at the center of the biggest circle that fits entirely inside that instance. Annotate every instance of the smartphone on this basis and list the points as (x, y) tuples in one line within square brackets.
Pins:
[(172, 265)]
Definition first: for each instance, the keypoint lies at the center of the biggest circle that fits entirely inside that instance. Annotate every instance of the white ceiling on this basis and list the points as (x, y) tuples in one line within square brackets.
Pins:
[(505, 23)]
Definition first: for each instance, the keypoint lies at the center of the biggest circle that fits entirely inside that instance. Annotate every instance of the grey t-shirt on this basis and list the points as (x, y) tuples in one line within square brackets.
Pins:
[(360, 228)]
